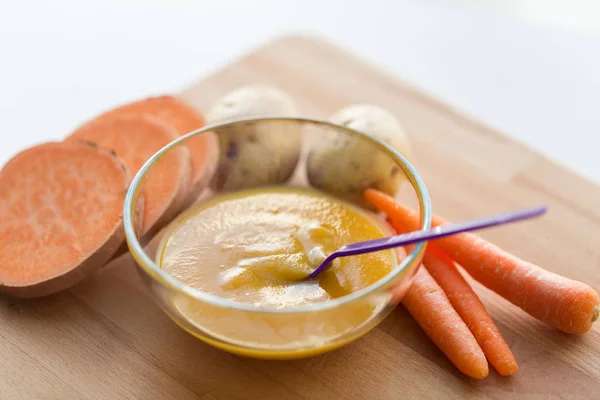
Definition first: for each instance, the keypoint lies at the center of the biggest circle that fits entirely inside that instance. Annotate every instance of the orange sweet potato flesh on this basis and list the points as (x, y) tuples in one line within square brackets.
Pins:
[(60, 216), (135, 138), (204, 150)]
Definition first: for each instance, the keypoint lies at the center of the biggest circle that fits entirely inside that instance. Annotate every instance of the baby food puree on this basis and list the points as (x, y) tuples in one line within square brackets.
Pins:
[(257, 246)]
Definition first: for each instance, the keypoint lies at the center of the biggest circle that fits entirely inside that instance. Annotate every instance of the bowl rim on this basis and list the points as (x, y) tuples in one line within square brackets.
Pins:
[(170, 282)]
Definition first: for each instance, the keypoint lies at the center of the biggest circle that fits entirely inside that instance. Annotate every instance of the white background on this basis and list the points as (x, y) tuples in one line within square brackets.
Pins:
[(528, 68)]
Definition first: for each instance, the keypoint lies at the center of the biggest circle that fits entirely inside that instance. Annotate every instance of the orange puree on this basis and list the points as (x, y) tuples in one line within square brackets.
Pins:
[(256, 246)]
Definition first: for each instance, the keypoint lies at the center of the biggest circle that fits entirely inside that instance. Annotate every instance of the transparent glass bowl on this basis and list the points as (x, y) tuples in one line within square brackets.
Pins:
[(269, 151)]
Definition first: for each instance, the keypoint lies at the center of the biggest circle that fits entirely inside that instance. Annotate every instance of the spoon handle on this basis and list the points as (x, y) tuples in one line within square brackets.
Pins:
[(428, 234)]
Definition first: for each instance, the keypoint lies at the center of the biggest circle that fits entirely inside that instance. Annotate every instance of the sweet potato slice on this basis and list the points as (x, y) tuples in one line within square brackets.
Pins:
[(60, 216), (204, 150), (135, 138)]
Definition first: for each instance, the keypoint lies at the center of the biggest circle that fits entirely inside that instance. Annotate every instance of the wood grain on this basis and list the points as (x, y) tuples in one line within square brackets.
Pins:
[(105, 338)]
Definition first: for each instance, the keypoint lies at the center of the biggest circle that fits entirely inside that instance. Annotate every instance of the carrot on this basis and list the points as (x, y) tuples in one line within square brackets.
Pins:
[(430, 307), (204, 151), (60, 216), (135, 138), (470, 308), (565, 304)]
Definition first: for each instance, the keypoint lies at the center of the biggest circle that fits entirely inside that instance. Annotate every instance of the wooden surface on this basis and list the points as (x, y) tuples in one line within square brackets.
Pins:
[(105, 338)]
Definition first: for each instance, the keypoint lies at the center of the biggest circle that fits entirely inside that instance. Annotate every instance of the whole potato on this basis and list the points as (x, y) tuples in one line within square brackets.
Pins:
[(345, 165), (255, 153)]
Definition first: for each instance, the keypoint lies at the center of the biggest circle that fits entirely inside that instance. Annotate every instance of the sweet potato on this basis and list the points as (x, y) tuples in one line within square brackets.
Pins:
[(60, 216), (135, 138), (204, 149)]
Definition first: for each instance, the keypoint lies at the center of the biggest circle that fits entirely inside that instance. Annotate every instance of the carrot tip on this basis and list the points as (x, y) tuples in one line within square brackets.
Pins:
[(480, 374), (508, 371), (596, 314)]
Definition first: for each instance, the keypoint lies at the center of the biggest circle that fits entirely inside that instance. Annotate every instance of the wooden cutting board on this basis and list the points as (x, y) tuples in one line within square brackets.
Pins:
[(105, 338)]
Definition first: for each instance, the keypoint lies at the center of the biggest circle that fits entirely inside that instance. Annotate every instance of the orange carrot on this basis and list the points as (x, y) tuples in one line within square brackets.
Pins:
[(135, 138), (565, 304), (470, 308), (60, 216), (430, 307), (468, 305)]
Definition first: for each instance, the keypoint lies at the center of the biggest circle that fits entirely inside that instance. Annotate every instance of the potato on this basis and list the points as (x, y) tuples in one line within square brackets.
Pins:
[(345, 166), (255, 153)]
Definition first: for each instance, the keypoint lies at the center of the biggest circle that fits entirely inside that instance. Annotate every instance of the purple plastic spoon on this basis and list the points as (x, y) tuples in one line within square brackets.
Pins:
[(370, 246)]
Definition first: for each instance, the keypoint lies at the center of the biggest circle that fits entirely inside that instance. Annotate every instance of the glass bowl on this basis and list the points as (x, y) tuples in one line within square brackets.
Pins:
[(270, 332)]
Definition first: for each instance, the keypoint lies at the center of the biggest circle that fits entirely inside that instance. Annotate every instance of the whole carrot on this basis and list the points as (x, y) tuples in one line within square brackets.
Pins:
[(470, 308), (565, 304), (430, 307)]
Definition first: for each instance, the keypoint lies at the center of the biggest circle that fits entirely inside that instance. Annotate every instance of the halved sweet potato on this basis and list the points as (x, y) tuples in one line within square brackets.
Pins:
[(204, 149), (60, 216), (135, 138)]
